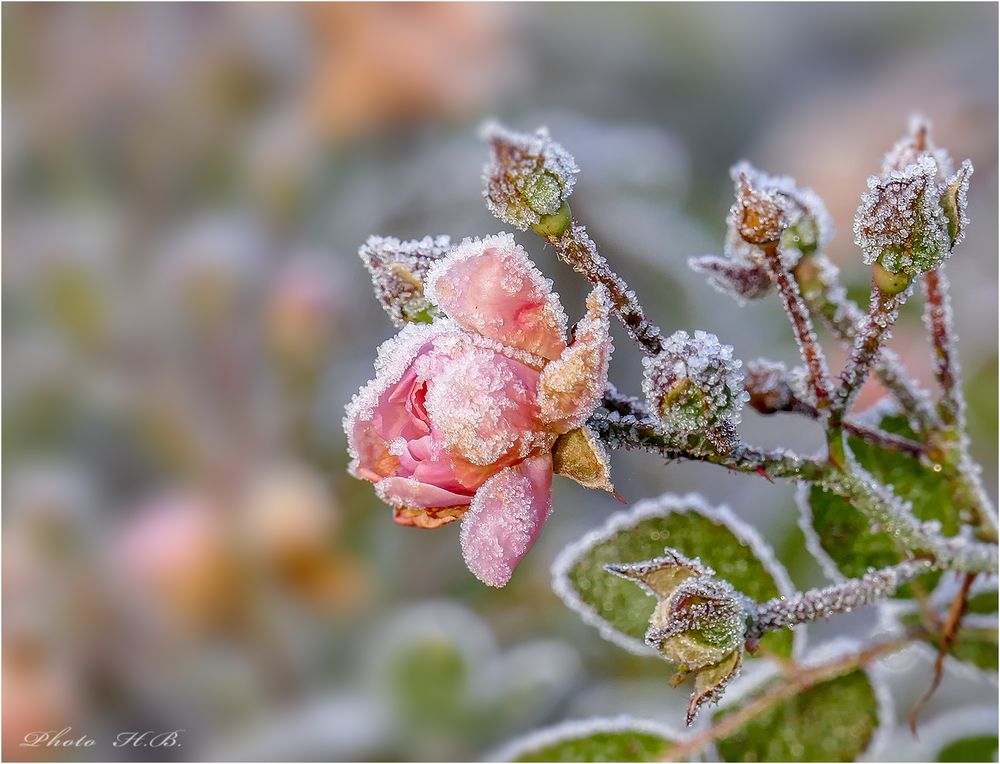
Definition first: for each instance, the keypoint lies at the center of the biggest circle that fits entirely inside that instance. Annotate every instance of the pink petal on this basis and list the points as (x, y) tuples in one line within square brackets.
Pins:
[(491, 287), (404, 492), (505, 518), (570, 387)]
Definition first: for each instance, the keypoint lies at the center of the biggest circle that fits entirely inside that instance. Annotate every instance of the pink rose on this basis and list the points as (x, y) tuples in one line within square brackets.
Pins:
[(462, 415)]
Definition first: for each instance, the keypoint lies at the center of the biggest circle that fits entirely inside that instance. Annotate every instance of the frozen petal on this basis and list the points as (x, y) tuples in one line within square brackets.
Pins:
[(570, 387), (406, 492), (505, 518), (491, 287), (428, 517)]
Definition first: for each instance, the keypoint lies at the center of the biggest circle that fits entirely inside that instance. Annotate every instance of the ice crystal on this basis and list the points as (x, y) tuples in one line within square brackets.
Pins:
[(696, 386), (398, 270), (914, 146), (900, 222), (527, 177)]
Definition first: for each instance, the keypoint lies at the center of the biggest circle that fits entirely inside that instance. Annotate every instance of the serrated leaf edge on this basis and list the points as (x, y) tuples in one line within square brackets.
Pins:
[(573, 729), (661, 506)]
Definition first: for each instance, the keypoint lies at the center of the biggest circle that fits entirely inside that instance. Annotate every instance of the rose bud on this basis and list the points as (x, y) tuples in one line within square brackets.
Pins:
[(528, 180), (695, 386)]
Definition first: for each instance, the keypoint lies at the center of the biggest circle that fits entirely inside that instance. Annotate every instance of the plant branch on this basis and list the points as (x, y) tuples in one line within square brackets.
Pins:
[(937, 317), (575, 248), (804, 607), (883, 309), (825, 297), (812, 353)]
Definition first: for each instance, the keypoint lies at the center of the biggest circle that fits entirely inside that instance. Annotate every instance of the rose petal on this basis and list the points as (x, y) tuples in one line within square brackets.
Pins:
[(570, 387), (491, 287), (505, 518), (405, 492)]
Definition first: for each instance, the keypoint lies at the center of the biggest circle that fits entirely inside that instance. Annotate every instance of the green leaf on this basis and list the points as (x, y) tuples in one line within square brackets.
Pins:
[(977, 748), (621, 739), (842, 537), (620, 609), (834, 720)]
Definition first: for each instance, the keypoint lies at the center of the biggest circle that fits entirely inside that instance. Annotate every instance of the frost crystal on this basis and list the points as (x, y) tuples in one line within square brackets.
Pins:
[(696, 387), (527, 177), (900, 223), (913, 146), (398, 270)]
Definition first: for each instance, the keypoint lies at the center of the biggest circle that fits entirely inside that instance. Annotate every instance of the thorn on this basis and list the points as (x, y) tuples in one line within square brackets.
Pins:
[(621, 499), (763, 473)]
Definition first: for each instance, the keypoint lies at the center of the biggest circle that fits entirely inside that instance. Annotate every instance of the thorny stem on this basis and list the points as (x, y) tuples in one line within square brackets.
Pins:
[(804, 607), (827, 299), (797, 679), (812, 353), (879, 504), (937, 316), (882, 312), (575, 248)]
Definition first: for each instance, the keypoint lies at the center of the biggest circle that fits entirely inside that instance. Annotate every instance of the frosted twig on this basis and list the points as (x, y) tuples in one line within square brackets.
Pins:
[(825, 297), (875, 330), (937, 317), (812, 353), (575, 248), (895, 518), (803, 607)]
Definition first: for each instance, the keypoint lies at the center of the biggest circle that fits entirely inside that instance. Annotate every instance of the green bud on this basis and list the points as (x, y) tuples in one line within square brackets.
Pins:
[(554, 224), (889, 281)]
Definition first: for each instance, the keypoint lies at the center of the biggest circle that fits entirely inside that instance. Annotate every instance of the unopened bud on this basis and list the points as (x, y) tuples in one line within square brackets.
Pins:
[(695, 386), (398, 269), (741, 280), (806, 225), (769, 386), (900, 223), (757, 216), (528, 180)]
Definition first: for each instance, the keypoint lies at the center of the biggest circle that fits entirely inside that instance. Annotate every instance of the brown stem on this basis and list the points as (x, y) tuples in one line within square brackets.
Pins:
[(800, 678), (575, 248), (812, 353), (937, 315), (949, 635), (882, 311)]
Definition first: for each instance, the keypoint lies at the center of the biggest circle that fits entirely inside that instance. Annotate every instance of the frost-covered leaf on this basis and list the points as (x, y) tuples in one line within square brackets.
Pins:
[(835, 720), (842, 537), (620, 609), (593, 740)]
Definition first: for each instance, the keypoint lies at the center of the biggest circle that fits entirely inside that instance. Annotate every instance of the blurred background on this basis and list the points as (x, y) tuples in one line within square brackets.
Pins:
[(185, 189)]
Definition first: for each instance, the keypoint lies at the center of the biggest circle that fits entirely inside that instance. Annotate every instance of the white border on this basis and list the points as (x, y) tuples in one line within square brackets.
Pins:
[(577, 728)]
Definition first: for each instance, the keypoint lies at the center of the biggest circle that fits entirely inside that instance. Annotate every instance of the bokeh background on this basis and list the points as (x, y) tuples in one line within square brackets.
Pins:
[(185, 188)]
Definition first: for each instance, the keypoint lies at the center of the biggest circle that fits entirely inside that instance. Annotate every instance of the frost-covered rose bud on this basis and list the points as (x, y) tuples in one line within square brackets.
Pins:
[(699, 622), (795, 215), (769, 386), (528, 180), (900, 224), (808, 225), (398, 270), (695, 386), (462, 416)]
